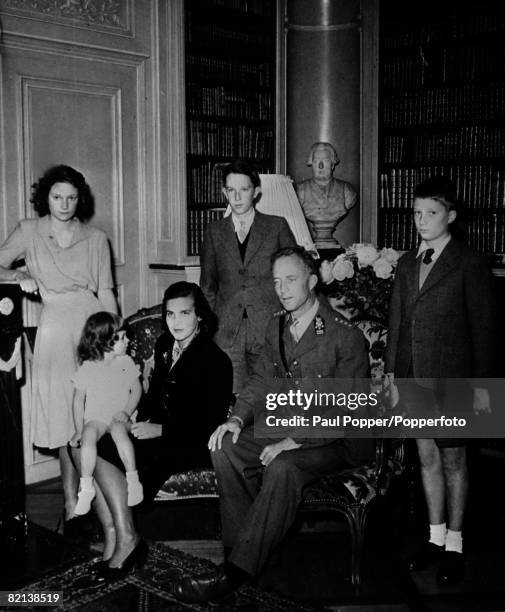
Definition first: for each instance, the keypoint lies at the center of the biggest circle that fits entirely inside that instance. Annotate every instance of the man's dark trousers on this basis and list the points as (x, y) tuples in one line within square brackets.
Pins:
[(259, 506)]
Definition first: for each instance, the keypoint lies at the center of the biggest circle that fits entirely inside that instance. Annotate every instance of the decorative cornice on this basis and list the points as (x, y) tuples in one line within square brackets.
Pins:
[(111, 13)]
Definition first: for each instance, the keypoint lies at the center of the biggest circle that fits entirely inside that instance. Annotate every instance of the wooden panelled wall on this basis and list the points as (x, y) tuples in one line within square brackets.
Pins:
[(97, 85)]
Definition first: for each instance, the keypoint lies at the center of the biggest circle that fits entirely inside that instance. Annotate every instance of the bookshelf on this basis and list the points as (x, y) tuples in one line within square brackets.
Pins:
[(230, 68), (441, 105)]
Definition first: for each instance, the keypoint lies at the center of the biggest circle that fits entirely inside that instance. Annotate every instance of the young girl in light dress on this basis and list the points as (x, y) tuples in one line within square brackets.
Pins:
[(107, 391)]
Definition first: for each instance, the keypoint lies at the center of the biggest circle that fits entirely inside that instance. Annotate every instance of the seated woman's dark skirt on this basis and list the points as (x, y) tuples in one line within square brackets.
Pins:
[(157, 459)]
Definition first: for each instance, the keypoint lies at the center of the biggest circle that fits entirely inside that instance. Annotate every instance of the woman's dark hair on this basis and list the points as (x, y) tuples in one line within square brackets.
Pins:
[(98, 336), (63, 174), (184, 289)]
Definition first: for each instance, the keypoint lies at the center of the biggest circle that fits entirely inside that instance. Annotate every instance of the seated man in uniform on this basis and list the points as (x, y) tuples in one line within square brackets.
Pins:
[(308, 340)]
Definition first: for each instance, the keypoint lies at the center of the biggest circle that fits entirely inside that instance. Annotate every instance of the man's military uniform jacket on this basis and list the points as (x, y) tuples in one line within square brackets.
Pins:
[(331, 347)]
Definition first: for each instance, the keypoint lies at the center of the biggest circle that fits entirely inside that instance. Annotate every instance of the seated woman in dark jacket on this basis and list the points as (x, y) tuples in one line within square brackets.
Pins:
[(189, 395)]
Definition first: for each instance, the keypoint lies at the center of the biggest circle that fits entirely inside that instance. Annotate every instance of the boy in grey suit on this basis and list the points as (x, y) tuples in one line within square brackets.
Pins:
[(235, 263), (441, 322)]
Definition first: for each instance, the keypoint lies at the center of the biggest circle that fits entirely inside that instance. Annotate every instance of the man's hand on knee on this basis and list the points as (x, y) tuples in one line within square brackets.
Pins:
[(232, 425), (271, 451)]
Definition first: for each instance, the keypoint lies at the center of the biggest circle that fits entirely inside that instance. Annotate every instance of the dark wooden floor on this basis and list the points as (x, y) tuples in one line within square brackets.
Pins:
[(313, 563)]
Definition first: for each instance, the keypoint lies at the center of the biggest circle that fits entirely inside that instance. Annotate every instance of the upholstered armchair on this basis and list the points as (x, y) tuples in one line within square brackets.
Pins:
[(354, 492), (351, 493)]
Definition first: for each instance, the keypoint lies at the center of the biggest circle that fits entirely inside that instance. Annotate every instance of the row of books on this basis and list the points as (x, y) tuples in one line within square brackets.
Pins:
[(211, 138), (256, 7), (445, 106), (483, 233), (475, 24), (464, 143), (205, 185), (451, 66), (205, 69), (398, 231), (227, 38), (197, 222), (476, 186), (205, 182), (487, 233), (481, 22), (229, 102), (472, 63), (406, 72)]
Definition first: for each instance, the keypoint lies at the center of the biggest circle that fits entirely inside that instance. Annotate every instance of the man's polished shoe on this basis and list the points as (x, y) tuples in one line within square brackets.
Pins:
[(452, 568), (212, 586), (428, 554)]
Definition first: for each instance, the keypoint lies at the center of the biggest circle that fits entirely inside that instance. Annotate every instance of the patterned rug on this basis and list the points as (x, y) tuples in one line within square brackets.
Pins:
[(150, 589)]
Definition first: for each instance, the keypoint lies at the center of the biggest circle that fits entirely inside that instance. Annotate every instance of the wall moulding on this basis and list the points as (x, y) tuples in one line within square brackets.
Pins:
[(112, 16), (39, 44), (39, 91), (169, 231)]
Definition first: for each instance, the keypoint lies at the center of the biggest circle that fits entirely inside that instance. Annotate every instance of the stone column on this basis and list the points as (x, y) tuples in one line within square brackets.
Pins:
[(323, 91)]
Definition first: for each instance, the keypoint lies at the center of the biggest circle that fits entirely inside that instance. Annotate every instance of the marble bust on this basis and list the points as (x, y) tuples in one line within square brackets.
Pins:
[(325, 200)]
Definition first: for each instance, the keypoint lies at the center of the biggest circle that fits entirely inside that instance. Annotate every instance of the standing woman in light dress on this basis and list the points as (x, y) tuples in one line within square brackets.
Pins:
[(68, 263)]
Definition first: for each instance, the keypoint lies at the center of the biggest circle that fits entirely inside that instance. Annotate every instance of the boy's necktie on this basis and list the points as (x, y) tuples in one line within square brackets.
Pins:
[(242, 233), (428, 254)]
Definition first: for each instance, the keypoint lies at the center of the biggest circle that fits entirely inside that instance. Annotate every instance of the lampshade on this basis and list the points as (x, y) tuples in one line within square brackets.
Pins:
[(279, 198)]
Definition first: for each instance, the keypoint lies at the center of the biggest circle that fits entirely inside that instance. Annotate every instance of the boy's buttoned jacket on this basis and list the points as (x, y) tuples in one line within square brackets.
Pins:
[(232, 285), (445, 329)]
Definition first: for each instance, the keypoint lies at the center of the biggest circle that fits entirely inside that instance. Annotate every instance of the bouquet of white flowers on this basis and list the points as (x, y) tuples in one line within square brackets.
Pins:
[(361, 280)]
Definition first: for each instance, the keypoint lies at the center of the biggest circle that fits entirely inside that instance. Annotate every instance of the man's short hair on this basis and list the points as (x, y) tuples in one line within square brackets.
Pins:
[(438, 188), (297, 251), (239, 166)]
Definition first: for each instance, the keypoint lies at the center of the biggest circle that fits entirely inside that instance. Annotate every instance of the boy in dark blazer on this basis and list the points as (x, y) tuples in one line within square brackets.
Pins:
[(235, 263), (441, 322)]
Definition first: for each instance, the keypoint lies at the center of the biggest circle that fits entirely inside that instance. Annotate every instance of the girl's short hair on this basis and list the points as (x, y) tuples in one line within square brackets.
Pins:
[(184, 289), (63, 174), (98, 336)]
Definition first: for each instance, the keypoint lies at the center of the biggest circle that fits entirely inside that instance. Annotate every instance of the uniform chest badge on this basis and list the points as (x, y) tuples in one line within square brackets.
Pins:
[(319, 326)]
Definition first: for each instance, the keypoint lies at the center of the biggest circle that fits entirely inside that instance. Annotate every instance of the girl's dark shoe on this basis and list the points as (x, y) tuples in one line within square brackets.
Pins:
[(99, 570), (135, 560)]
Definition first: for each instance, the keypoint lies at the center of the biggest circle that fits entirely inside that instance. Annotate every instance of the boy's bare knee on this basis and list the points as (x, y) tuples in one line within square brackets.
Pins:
[(454, 459), (429, 454)]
